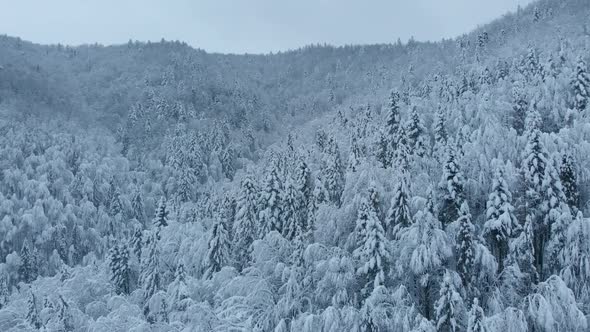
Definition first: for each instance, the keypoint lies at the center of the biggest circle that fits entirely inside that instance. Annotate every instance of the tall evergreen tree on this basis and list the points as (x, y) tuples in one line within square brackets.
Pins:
[(581, 86), (305, 186), (150, 270), (161, 218), (218, 249), (120, 271), (449, 306), (32, 313), (451, 188), (333, 173), (28, 269), (501, 224), (354, 156), (465, 246), (519, 109), (415, 130), (270, 202), (293, 217), (4, 292), (371, 250), (245, 221), (440, 130), (178, 289), (399, 216), (567, 175), (476, 318), (137, 242)]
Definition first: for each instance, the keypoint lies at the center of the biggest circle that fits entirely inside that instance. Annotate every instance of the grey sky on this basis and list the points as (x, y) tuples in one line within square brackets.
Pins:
[(240, 26)]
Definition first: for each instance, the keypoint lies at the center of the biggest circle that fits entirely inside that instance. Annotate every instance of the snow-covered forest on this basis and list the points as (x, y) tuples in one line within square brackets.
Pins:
[(403, 187)]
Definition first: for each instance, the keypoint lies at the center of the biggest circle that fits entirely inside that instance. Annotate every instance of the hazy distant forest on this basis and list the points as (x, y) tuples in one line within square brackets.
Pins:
[(399, 187)]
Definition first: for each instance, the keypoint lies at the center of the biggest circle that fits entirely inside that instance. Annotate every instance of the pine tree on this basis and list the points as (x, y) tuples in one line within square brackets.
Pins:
[(465, 246), (270, 202), (451, 188), (399, 216), (581, 86), (567, 175), (522, 253), (476, 318), (400, 158), (119, 266), (501, 224), (218, 249), (161, 218), (293, 217), (32, 313), (304, 184), (245, 221), (150, 271), (449, 305), (371, 248)]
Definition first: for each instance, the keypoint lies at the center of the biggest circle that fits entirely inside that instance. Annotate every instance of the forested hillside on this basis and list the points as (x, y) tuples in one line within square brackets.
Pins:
[(402, 187)]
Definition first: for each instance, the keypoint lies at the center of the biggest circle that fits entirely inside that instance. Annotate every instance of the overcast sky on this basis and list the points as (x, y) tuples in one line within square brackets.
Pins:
[(245, 26)]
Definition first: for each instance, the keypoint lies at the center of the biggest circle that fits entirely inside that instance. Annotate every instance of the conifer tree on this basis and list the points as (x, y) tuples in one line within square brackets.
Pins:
[(28, 268), (32, 313), (64, 315), (354, 156), (161, 218), (4, 292), (449, 306), (451, 188), (520, 107), (501, 224), (270, 203), (137, 242), (178, 289), (371, 250), (567, 175), (465, 247), (440, 130), (115, 206), (399, 216), (415, 130), (293, 218), (382, 150), (150, 271), (333, 173), (476, 318), (304, 184), (218, 250), (119, 266), (245, 221), (581, 86)]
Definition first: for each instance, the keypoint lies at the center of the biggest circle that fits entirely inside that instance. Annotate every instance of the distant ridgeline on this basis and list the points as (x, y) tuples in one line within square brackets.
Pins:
[(404, 187)]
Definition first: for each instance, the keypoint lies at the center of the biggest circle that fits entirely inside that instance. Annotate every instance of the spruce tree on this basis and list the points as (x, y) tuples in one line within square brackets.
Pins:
[(304, 184), (293, 217), (382, 148), (501, 224), (440, 130), (567, 175), (520, 107), (161, 218), (137, 242), (115, 206), (465, 246), (270, 206), (581, 86), (449, 305), (64, 316), (218, 249), (150, 270), (178, 289), (475, 322), (399, 216), (245, 221), (371, 250), (451, 189), (354, 156), (4, 292), (32, 313), (333, 173), (28, 269), (415, 131), (120, 271)]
